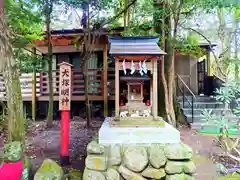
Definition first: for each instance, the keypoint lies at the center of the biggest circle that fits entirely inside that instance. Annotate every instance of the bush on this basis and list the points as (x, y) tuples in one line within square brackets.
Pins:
[(13, 151)]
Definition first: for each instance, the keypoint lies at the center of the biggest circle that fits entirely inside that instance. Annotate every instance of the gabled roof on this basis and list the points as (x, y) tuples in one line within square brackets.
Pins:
[(133, 46)]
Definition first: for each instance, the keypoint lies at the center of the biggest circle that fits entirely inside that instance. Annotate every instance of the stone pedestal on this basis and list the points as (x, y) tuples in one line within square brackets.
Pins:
[(139, 162), (137, 135)]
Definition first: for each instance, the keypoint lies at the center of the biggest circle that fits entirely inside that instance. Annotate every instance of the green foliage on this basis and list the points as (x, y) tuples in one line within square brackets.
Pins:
[(190, 45), (74, 175), (208, 117), (232, 176), (96, 7), (24, 21), (27, 61), (237, 111), (225, 95), (26, 169), (13, 151), (228, 92), (25, 24), (135, 29)]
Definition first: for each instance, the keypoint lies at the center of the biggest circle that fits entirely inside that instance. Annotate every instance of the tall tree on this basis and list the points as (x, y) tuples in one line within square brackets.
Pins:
[(19, 25), (12, 82), (236, 16), (48, 11)]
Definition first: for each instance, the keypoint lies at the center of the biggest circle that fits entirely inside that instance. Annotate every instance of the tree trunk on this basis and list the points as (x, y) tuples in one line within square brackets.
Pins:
[(125, 15), (86, 54), (171, 67), (163, 76), (88, 108), (50, 76), (171, 73), (226, 39), (16, 128), (34, 83), (236, 51), (159, 27)]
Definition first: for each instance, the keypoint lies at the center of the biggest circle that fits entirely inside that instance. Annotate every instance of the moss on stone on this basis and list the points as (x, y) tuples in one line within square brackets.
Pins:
[(141, 123), (49, 170), (234, 176), (74, 174)]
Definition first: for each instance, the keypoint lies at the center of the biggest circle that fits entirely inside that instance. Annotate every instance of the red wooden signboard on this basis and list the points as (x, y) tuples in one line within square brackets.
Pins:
[(64, 107)]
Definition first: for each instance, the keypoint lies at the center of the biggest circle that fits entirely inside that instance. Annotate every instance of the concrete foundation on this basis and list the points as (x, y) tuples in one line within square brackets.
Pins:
[(137, 135)]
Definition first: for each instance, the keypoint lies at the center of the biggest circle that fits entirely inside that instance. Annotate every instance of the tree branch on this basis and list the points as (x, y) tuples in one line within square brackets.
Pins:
[(119, 14), (233, 157), (210, 47), (32, 52)]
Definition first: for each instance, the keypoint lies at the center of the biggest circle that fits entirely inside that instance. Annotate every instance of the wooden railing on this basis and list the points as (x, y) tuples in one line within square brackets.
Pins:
[(95, 83), (185, 88)]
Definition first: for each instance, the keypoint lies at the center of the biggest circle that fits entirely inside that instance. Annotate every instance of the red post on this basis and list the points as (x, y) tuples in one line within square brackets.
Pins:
[(65, 125), (64, 106)]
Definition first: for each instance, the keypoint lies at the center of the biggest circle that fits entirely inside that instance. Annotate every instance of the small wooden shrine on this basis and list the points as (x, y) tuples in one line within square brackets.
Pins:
[(135, 76)]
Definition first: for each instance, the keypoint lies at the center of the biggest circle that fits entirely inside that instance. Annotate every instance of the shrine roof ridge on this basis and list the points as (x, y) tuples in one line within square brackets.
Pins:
[(133, 39), (132, 46), (66, 63)]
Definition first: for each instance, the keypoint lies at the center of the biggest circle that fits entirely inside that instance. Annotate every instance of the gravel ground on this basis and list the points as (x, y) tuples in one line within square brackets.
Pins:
[(44, 143)]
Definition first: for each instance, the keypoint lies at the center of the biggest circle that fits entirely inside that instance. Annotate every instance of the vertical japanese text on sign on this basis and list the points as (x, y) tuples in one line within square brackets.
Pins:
[(65, 87)]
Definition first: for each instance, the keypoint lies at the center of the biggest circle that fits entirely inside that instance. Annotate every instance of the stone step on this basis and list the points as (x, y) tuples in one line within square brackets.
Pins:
[(198, 118), (198, 98), (216, 111), (206, 127), (202, 105), (199, 126)]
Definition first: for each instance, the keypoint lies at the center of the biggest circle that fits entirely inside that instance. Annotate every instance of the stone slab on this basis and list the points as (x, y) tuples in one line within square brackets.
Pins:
[(137, 135)]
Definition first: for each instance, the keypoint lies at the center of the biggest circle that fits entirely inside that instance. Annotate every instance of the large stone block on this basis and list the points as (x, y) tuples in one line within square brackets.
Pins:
[(74, 174), (96, 162), (178, 167), (178, 151), (114, 158), (112, 174), (153, 173), (157, 156), (135, 158), (91, 175), (49, 170), (137, 135), (180, 177), (95, 148), (129, 175)]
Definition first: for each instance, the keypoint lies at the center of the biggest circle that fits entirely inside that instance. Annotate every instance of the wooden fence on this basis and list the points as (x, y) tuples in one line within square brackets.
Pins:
[(95, 84)]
